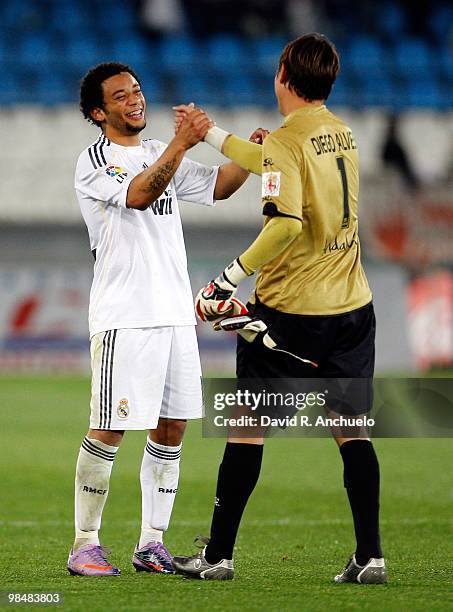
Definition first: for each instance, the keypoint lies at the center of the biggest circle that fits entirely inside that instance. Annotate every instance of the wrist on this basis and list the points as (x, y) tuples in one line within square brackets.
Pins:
[(216, 137), (234, 273), (179, 144)]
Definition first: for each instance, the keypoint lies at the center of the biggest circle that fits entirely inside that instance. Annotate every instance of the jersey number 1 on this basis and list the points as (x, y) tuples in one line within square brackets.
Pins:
[(344, 182)]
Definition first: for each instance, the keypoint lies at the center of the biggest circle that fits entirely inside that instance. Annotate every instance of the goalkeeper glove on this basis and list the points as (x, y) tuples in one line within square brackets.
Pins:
[(247, 326), (216, 300), (251, 328)]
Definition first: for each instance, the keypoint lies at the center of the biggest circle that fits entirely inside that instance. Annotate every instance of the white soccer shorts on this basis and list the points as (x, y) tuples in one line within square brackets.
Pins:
[(139, 375)]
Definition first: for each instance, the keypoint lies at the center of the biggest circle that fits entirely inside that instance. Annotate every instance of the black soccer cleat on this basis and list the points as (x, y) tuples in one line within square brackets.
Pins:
[(374, 572), (196, 566)]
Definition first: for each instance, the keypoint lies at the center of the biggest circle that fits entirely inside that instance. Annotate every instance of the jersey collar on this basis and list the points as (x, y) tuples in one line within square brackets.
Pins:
[(304, 110), (135, 149)]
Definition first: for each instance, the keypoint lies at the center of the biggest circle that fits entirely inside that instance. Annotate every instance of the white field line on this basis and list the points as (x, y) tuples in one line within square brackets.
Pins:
[(281, 522)]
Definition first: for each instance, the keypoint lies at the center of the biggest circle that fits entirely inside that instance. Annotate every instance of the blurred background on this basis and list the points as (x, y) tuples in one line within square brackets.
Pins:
[(395, 90)]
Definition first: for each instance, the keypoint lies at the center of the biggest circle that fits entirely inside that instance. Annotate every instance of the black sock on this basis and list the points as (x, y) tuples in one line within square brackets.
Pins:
[(238, 475), (361, 479)]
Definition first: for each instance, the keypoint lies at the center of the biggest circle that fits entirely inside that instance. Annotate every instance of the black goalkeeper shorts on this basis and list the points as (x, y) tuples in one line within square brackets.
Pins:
[(343, 347)]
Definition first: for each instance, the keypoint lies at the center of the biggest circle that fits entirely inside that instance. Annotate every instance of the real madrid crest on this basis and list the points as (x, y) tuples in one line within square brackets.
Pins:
[(123, 409)]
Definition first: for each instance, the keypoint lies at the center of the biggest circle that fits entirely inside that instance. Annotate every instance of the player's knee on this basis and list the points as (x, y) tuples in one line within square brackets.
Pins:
[(110, 437), (169, 432)]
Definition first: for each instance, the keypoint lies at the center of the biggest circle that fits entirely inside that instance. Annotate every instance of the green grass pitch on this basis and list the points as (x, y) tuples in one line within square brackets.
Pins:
[(296, 533)]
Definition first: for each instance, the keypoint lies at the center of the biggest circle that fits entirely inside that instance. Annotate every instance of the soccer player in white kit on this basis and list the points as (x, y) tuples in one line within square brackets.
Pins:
[(146, 372)]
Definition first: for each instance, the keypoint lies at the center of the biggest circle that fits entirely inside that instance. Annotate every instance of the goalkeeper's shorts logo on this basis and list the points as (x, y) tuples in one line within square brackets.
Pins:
[(123, 409)]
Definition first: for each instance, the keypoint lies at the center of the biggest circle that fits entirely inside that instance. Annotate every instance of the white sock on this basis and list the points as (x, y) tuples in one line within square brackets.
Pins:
[(94, 466), (159, 477)]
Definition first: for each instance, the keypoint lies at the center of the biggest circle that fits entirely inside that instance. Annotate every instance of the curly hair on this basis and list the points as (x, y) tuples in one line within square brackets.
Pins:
[(91, 93), (311, 66)]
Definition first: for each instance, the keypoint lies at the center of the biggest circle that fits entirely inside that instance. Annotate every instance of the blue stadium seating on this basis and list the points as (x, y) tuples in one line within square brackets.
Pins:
[(342, 94), (366, 57), (68, 16), (266, 52), (263, 85), (22, 15), (35, 48), (446, 63), (4, 50), (225, 51), (120, 15), (131, 50), (199, 89), (10, 89), (82, 53), (239, 90), (53, 90), (440, 22), (412, 58), (379, 92), (179, 53), (391, 20), (152, 87), (384, 68), (422, 94), (447, 96)]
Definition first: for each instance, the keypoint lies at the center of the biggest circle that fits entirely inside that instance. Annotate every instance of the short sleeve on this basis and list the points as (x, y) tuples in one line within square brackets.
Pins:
[(195, 182), (281, 179), (107, 184)]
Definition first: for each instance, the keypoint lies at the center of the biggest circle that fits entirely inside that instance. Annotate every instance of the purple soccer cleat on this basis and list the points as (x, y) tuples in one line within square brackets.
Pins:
[(91, 560), (153, 557)]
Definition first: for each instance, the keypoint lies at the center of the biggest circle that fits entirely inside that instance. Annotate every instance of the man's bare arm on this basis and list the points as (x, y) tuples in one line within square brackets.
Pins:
[(229, 178), (147, 186)]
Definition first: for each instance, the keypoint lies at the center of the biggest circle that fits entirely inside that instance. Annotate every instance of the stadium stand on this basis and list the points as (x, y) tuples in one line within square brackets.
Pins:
[(69, 36)]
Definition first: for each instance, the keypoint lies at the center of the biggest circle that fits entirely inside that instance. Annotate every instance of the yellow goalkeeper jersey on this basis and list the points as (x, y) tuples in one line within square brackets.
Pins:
[(311, 172)]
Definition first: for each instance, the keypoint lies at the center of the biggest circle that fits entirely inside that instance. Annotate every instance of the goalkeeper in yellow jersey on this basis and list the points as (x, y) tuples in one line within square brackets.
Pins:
[(311, 292)]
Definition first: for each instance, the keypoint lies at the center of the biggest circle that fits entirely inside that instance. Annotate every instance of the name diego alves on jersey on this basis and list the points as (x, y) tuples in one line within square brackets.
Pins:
[(333, 143)]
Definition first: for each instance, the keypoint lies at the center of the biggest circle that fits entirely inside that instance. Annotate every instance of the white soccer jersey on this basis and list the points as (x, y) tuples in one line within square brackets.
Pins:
[(140, 272)]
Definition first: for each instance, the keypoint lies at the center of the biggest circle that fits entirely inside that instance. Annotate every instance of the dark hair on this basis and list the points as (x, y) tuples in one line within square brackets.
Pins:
[(91, 93), (311, 66)]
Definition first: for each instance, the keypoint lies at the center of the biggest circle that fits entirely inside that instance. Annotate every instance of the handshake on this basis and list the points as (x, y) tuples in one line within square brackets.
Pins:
[(192, 125)]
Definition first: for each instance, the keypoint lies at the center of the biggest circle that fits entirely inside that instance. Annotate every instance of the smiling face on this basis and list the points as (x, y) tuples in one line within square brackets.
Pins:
[(124, 108)]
